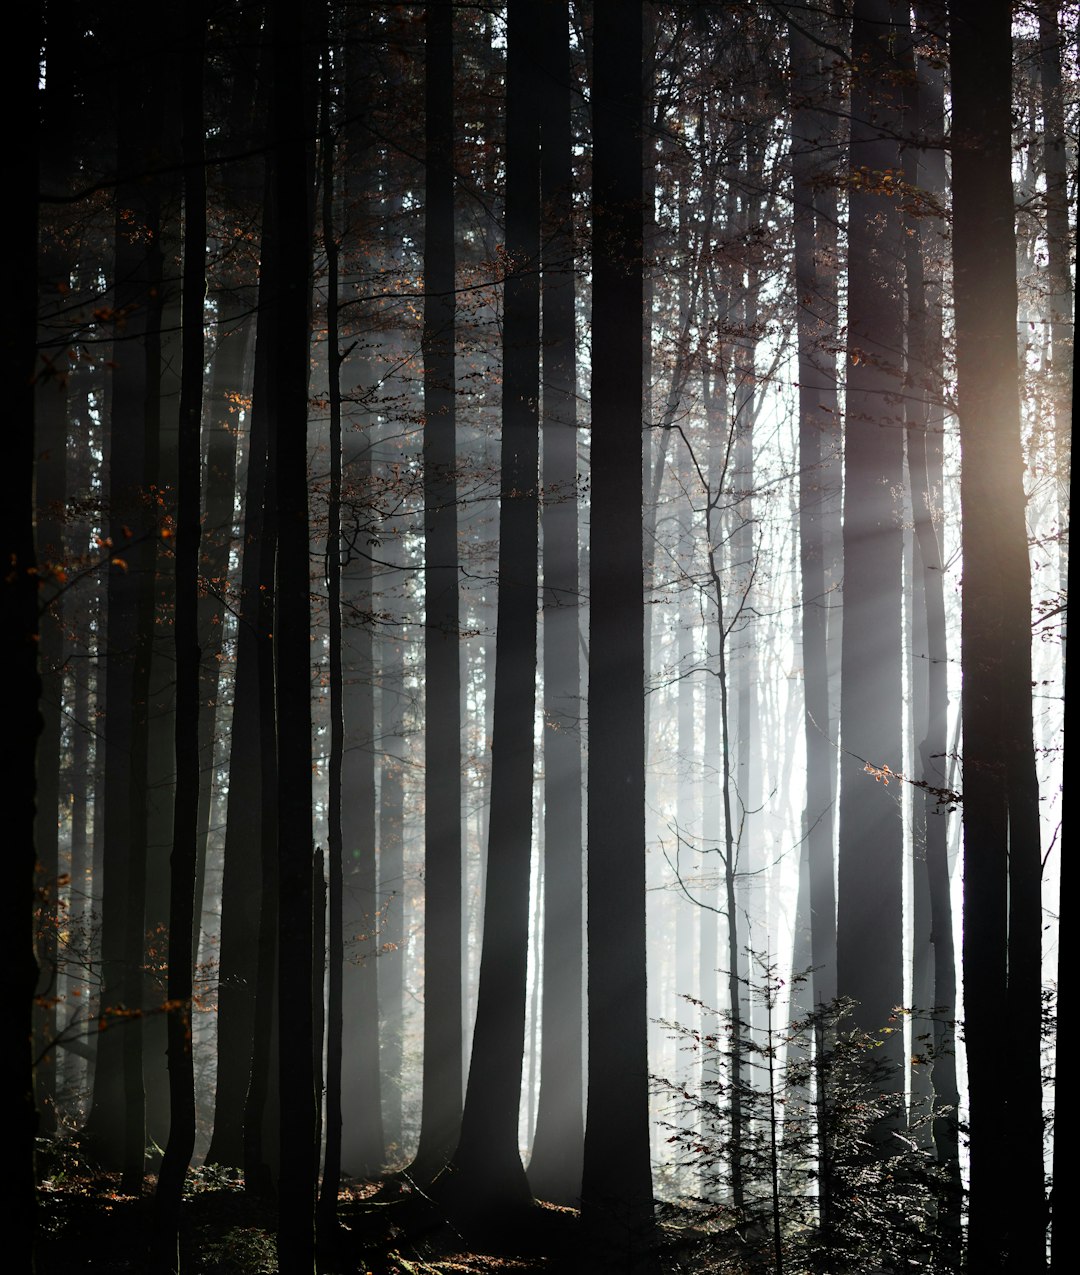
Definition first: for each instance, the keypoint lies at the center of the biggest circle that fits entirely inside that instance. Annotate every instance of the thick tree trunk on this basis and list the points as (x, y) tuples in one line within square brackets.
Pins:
[(488, 1159), (1002, 856), (19, 625), (617, 1183), (117, 1122)]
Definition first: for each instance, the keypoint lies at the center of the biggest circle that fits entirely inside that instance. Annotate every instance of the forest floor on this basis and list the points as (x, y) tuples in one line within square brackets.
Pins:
[(86, 1224)]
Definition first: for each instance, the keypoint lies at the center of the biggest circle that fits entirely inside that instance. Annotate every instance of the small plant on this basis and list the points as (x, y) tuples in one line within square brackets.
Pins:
[(830, 1172)]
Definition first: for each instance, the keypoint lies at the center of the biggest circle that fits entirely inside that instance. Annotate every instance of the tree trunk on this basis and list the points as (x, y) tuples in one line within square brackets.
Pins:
[(18, 622), (488, 1159), (926, 467), (1002, 856), (291, 191), (617, 1183), (241, 902), (117, 1122), (870, 889), (326, 1214), (443, 1048), (555, 1164), (817, 398), (181, 938)]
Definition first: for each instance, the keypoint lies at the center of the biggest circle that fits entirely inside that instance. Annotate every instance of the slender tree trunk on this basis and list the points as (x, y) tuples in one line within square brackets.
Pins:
[(926, 466), (443, 1049), (241, 901), (1064, 1117), (617, 1205), (50, 490), (292, 186), (19, 623), (817, 395), (326, 1215), (870, 889), (392, 698), (1002, 856), (555, 1164), (181, 958)]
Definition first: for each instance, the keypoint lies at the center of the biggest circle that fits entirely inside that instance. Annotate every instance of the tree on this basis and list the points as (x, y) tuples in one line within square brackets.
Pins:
[(870, 892), (181, 954), (617, 1206), (1002, 852), (19, 626), (117, 1118), (292, 189), (555, 1164), (443, 1079), (487, 1155)]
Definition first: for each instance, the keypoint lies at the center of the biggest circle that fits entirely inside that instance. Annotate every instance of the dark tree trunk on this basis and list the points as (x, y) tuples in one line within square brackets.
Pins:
[(555, 1164), (326, 1215), (442, 1077), (488, 1160), (870, 889), (817, 401), (392, 701), (19, 622), (1002, 856), (926, 467), (241, 901), (117, 1121), (181, 939), (237, 299), (292, 116), (260, 1119), (617, 1182), (50, 490)]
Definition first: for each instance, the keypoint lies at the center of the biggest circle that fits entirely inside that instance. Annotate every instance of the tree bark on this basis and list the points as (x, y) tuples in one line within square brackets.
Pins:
[(293, 102), (181, 939), (488, 1159), (555, 1164), (617, 1205), (1002, 854), (870, 890), (443, 1050)]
